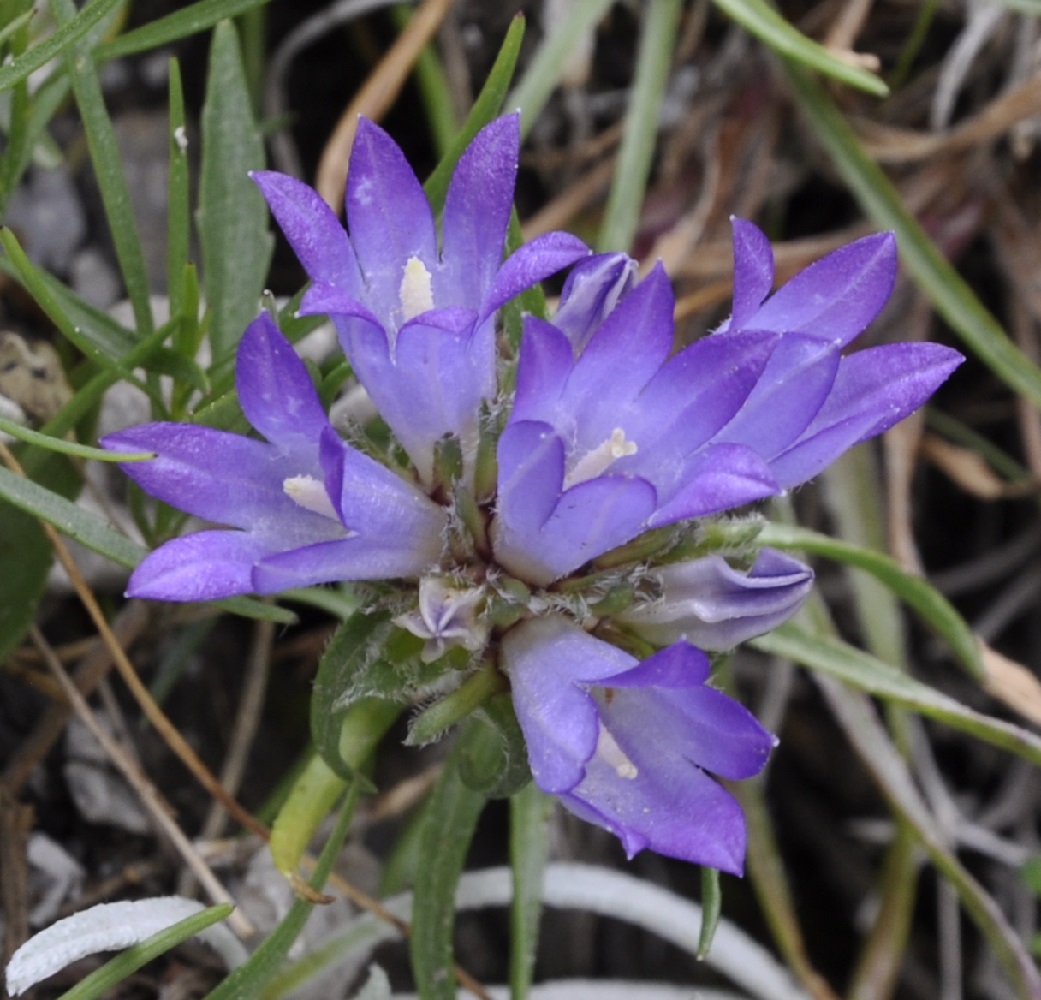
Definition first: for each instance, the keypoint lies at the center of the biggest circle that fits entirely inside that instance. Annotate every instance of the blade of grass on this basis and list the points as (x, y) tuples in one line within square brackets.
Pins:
[(931, 271), (657, 37), (188, 21), (530, 811), (70, 30), (108, 170), (760, 19)]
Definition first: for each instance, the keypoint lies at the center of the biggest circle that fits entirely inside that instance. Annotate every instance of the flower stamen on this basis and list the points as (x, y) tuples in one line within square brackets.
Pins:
[(310, 493), (612, 754), (599, 459), (417, 293)]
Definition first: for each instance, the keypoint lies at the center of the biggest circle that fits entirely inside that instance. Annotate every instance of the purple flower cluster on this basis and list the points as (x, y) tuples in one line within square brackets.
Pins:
[(608, 434)]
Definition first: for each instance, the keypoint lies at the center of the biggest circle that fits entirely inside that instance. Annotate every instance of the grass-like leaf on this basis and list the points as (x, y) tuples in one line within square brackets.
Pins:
[(232, 218), (530, 811), (760, 19), (866, 673), (931, 271), (933, 608), (69, 32), (188, 20)]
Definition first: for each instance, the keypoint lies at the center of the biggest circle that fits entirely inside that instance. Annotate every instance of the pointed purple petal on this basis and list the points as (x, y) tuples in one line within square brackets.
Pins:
[(388, 217), (717, 478), (477, 211), (670, 807), (753, 271), (679, 665), (792, 388), (874, 389), (546, 360), (313, 231), (530, 264), (199, 567), (837, 296), (592, 290), (544, 659), (212, 474), (324, 298), (531, 476), (276, 393)]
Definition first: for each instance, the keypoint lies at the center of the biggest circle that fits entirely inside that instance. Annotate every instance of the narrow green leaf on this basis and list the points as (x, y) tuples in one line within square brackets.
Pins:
[(931, 271), (547, 67), (711, 908), (178, 212), (108, 170), (248, 980), (935, 610), (449, 821), (68, 33), (530, 812), (63, 447), (232, 218), (484, 109), (624, 203), (760, 19), (114, 971), (181, 23), (866, 673)]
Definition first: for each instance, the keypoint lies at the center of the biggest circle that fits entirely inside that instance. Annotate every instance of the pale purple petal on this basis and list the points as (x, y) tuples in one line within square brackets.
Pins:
[(592, 289), (212, 474), (792, 388), (717, 478), (275, 391), (313, 231), (199, 567), (531, 476), (546, 360), (837, 296), (477, 212), (709, 603), (753, 272), (670, 807), (388, 216), (530, 264), (322, 298), (546, 659), (873, 390)]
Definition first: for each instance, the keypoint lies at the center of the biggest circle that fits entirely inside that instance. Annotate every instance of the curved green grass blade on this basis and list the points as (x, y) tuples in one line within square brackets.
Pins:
[(530, 812), (63, 447), (113, 972), (931, 271), (866, 673), (67, 34), (933, 608), (758, 18)]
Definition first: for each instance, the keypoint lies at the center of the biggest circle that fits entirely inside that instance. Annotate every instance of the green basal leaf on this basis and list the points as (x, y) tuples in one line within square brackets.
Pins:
[(866, 673), (116, 970), (232, 217), (63, 447), (760, 19), (933, 608), (181, 23), (530, 812), (178, 210), (70, 32), (448, 826), (484, 109)]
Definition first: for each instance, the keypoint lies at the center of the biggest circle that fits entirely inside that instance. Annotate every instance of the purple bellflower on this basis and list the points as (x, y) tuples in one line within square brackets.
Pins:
[(303, 507), (610, 435), (629, 746), (415, 318)]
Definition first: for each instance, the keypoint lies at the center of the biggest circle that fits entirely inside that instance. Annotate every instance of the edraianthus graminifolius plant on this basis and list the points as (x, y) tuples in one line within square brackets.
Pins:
[(553, 519)]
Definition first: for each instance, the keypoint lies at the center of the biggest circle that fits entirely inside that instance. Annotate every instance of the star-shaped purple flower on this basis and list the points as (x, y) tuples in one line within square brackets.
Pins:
[(630, 746), (303, 507), (620, 436), (416, 319)]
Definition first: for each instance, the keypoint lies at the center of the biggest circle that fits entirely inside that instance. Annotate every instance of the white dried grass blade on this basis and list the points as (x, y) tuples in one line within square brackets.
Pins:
[(109, 927)]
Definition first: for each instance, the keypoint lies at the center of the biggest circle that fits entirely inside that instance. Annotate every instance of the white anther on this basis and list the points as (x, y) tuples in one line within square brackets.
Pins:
[(599, 459), (417, 294), (310, 493)]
